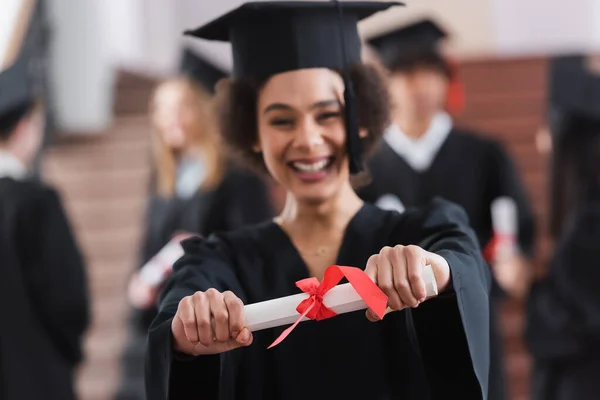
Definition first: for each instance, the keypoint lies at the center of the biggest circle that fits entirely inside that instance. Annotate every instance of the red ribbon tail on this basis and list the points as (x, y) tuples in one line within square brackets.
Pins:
[(372, 295), (289, 330)]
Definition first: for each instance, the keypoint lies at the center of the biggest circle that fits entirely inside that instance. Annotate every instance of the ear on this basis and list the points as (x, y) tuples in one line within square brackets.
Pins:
[(363, 133), (256, 148)]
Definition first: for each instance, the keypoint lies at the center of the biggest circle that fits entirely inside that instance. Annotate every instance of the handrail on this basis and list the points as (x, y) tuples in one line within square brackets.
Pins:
[(19, 33)]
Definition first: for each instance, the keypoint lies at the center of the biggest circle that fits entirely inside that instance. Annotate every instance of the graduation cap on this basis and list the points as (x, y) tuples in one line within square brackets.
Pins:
[(409, 44), (273, 37), (200, 69), (19, 86)]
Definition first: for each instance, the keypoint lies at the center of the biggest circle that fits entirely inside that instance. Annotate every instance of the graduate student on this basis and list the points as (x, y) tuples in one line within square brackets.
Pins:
[(44, 300), (425, 155), (563, 310), (195, 189), (299, 107)]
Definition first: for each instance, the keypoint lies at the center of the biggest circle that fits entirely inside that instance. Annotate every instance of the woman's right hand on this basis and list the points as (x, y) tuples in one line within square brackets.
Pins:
[(209, 323)]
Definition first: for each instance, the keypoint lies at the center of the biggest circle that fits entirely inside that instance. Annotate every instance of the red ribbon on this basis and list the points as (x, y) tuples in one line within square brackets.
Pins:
[(313, 307), (498, 240)]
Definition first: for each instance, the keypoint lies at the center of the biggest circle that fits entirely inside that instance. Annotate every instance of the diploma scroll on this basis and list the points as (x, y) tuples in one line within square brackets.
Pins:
[(341, 299), (154, 271)]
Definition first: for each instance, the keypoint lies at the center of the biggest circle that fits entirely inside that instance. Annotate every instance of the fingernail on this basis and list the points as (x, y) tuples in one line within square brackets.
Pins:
[(245, 335)]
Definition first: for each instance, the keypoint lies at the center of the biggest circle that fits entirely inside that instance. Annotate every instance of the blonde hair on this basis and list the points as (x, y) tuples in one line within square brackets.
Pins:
[(203, 137)]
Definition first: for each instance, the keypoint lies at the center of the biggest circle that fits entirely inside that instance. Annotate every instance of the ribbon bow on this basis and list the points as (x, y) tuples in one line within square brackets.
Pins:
[(313, 307)]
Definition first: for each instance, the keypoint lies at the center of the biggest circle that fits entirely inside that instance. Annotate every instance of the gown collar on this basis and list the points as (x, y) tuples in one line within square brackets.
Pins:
[(420, 153)]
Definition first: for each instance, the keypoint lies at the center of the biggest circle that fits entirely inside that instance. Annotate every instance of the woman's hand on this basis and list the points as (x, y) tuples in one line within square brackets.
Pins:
[(398, 272), (209, 323)]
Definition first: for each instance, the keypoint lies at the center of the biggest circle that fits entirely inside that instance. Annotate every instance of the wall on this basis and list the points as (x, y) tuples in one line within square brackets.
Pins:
[(81, 72), (8, 17)]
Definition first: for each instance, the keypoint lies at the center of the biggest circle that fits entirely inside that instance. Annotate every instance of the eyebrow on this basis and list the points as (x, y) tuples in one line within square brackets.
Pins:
[(319, 104)]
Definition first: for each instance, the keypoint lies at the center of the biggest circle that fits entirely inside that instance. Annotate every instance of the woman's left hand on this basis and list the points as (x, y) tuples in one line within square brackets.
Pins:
[(398, 272)]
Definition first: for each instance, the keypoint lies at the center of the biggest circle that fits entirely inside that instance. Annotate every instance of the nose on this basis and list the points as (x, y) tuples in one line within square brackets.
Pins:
[(309, 134)]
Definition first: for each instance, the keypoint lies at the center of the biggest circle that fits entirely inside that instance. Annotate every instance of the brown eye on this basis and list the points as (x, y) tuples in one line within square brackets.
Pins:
[(329, 115), (281, 122)]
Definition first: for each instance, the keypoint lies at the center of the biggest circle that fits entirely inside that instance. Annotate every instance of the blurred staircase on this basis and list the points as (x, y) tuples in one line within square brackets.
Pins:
[(103, 180)]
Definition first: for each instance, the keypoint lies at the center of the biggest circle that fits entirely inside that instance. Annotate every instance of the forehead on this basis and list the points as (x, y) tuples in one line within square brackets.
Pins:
[(301, 88)]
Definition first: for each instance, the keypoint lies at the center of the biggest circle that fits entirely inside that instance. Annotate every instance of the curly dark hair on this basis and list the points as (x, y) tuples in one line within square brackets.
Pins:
[(237, 105)]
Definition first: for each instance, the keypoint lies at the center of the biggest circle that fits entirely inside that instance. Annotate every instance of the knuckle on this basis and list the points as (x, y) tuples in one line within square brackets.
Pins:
[(387, 287), (401, 284), (413, 250), (198, 296), (183, 303), (212, 293), (221, 316), (414, 275), (203, 323), (385, 251)]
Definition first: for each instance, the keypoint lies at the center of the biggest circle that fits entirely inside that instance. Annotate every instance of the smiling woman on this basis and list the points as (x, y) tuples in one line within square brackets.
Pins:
[(298, 107), (239, 98)]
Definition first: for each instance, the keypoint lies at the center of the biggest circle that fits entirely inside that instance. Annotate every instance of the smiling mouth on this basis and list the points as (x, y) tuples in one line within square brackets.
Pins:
[(305, 166)]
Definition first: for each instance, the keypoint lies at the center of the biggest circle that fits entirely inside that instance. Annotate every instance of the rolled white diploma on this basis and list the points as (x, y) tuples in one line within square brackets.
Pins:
[(341, 299)]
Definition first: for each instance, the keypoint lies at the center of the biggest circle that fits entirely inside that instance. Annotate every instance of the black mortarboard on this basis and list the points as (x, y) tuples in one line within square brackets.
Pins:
[(573, 88), (200, 69), (273, 37), (411, 43), (16, 85), (20, 84)]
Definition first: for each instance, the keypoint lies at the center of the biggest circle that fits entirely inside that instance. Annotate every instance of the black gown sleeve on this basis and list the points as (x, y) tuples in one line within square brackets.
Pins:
[(205, 265), (55, 273), (563, 317), (453, 330), (505, 181)]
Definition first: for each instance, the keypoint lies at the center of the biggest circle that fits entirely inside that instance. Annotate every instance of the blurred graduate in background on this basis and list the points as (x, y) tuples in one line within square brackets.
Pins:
[(424, 155), (44, 300), (563, 310), (195, 189)]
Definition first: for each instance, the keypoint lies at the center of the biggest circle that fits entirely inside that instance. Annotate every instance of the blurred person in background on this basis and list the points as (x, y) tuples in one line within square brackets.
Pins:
[(44, 299), (195, 189), (424, 155), (563, 310)]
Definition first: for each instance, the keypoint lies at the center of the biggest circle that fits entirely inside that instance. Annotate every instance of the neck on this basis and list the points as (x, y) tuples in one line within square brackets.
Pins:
[(306, 217), (414, 126)]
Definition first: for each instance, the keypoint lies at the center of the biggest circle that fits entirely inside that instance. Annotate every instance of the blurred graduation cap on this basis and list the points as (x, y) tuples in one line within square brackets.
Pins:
[(200, 69), (574, 89), (418, 44), (20, 84), (273, 37), (405, 46)]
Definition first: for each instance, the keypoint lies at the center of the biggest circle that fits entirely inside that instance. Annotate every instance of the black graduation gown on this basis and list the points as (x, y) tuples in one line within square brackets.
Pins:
[(468, 170), (241, 199), (44, 301), (563, 316), (471, 171), (439, 350)]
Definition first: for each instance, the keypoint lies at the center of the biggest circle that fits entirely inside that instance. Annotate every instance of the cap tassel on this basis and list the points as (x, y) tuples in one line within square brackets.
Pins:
[(353, 142)]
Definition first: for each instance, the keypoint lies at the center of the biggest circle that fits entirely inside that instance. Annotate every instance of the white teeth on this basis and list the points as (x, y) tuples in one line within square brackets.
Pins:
[(313, 167)]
